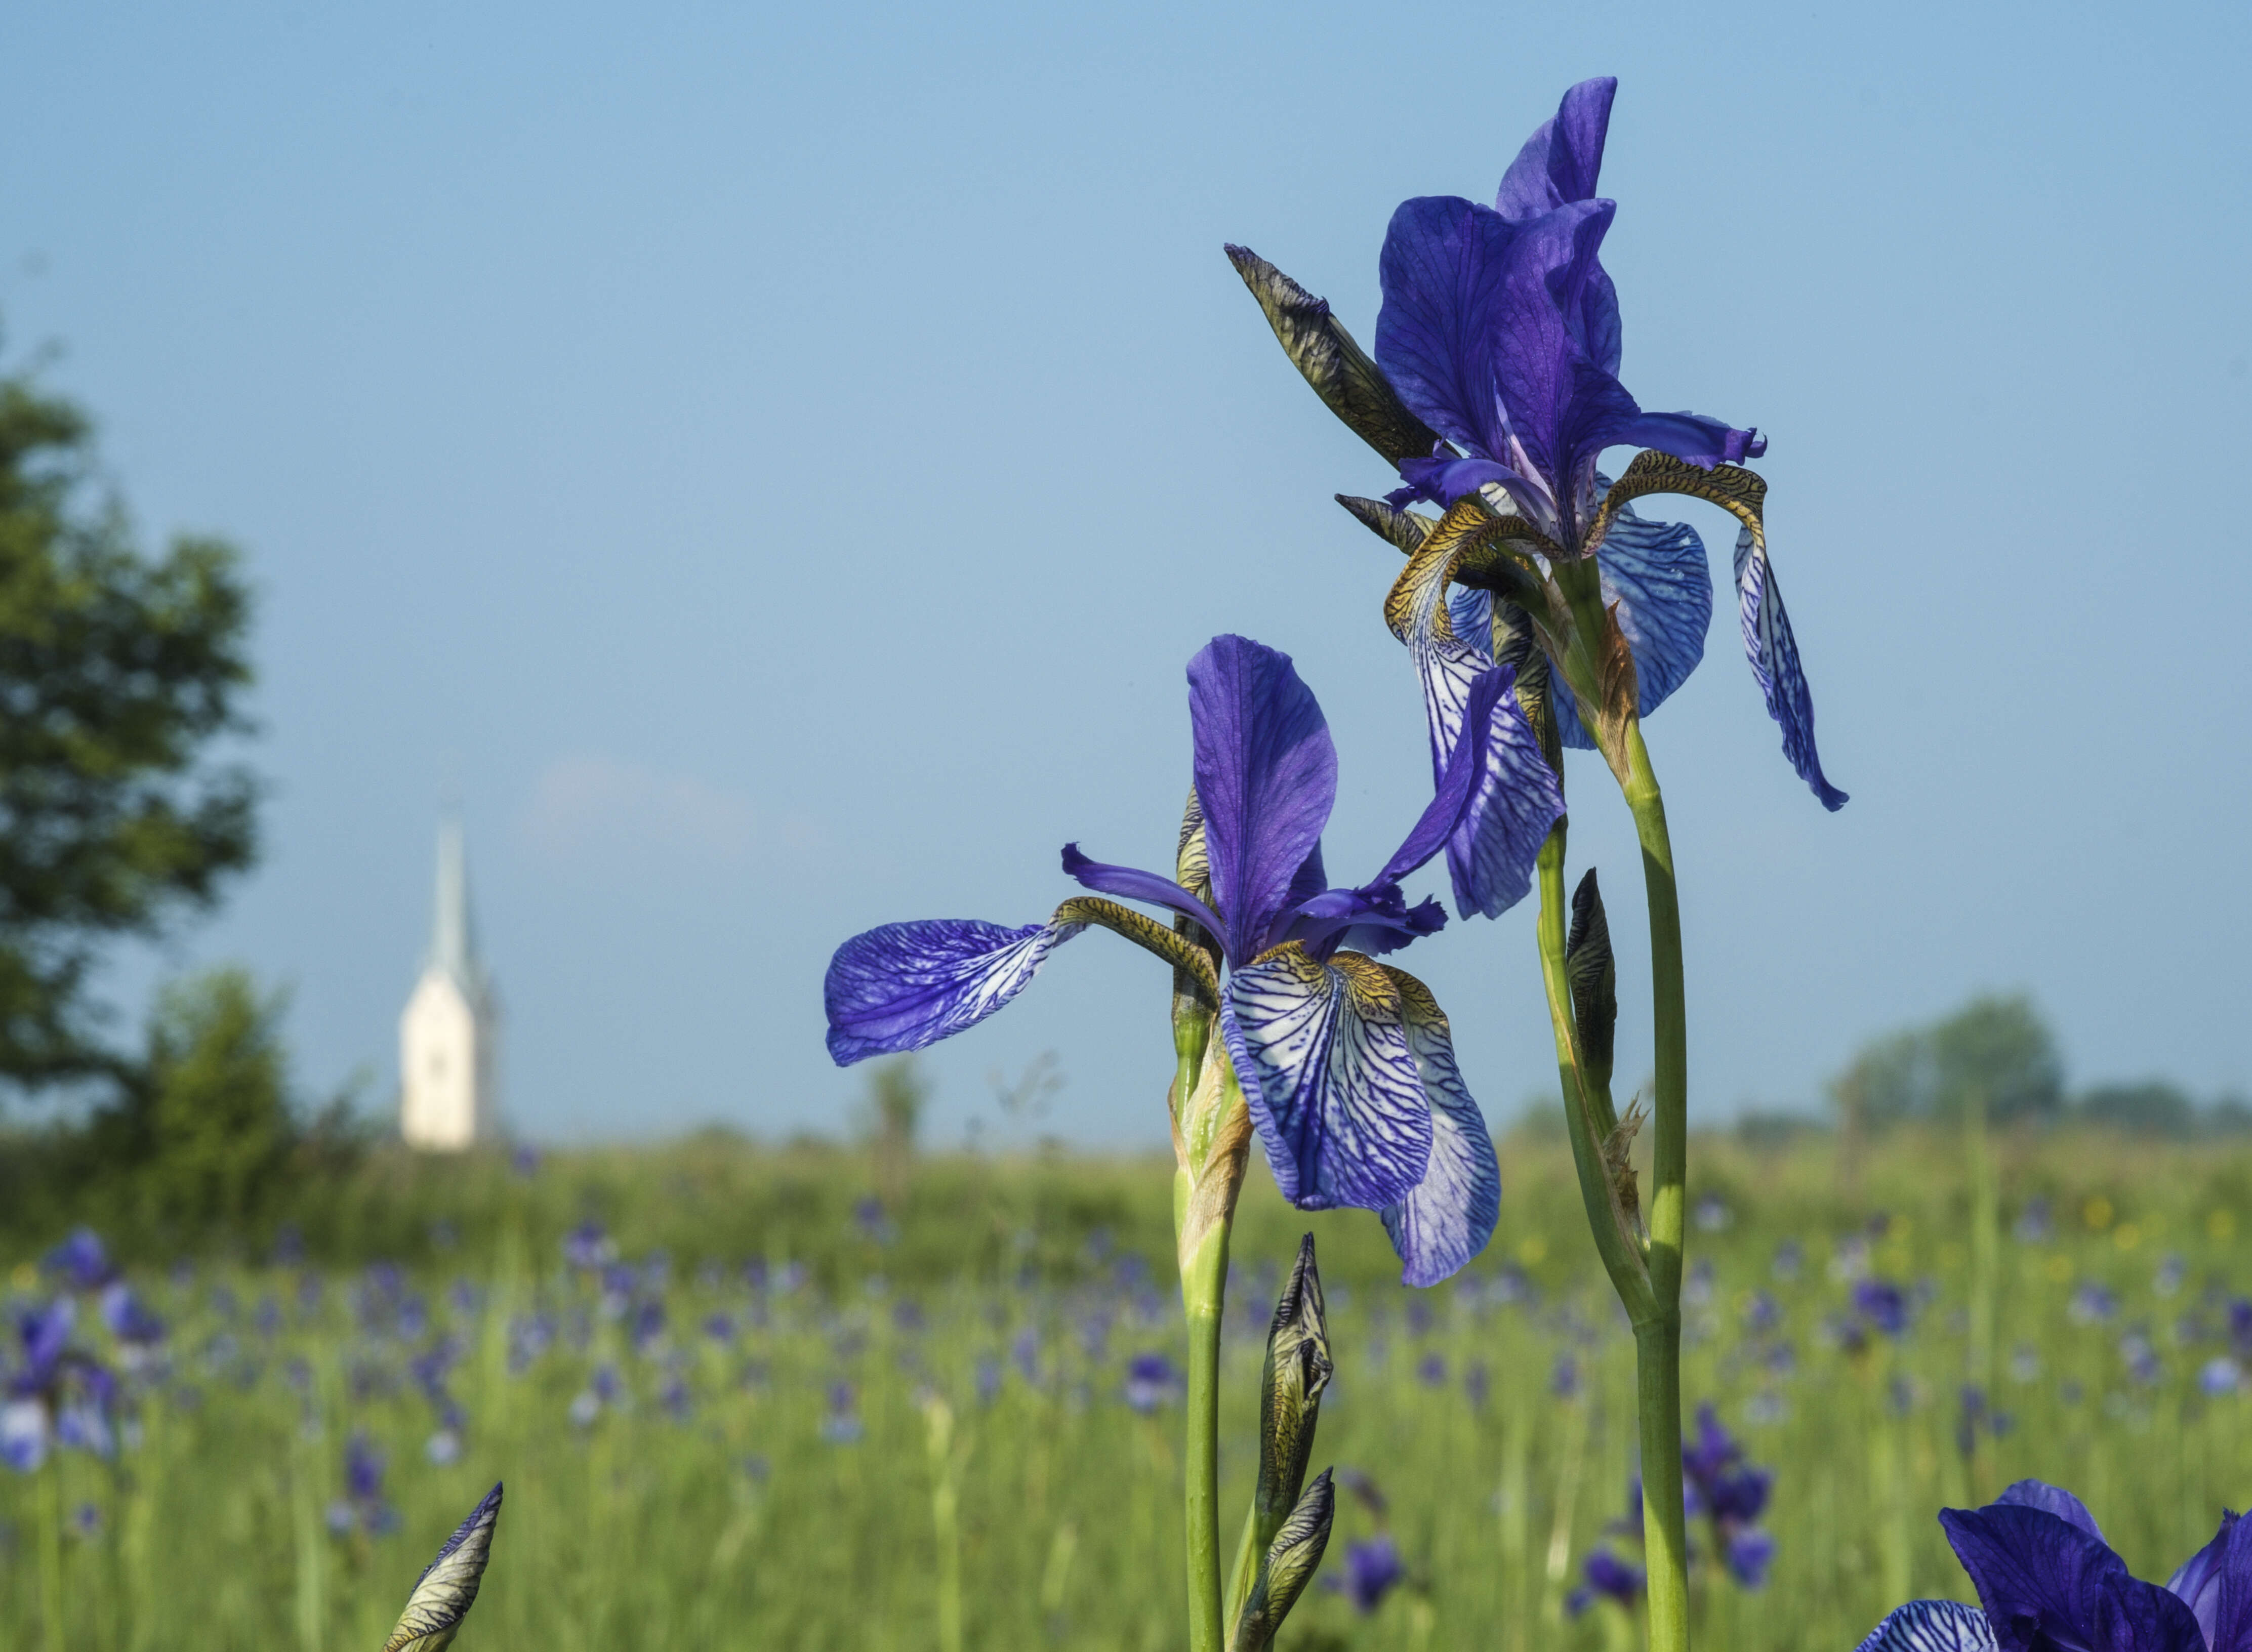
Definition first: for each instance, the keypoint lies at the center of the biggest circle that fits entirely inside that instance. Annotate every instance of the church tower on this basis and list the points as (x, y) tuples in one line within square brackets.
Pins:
[(447, 1035)]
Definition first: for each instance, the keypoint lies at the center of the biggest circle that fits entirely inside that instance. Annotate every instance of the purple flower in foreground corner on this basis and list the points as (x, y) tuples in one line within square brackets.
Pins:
[(1498, 346), (1347, 1064), (2046, 1580)]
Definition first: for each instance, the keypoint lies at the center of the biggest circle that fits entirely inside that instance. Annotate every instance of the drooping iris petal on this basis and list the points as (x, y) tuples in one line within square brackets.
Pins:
[(1450, 1217), (1657, 573), (2039, 1493), (2046, 1584), (903, 987), (1773, 654), (1517, 797), (1442, 480), (1459, 775), (1129, 884), (1932, 1626), (1333, 1087), (1266, 777)]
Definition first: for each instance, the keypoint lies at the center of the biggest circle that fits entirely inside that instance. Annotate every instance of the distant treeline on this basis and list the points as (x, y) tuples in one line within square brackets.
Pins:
[(1997, 1053)]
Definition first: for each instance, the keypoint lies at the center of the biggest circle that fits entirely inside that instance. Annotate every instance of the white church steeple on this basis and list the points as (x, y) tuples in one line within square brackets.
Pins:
[(447, 1035)]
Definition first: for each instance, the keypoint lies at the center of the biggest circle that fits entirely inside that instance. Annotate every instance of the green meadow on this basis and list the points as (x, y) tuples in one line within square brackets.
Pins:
[(737, 1406)]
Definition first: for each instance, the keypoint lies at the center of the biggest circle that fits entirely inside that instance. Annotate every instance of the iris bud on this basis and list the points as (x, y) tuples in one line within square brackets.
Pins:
[(1286, 1566), (1594, 977), (1296, 1371), (447, 1591)]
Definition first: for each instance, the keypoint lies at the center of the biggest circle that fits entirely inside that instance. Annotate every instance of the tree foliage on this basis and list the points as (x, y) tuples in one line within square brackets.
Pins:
[(1995, 1049), (117, 672)]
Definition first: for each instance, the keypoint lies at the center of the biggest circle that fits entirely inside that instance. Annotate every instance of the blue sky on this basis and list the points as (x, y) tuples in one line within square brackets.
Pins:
[(773, 463)]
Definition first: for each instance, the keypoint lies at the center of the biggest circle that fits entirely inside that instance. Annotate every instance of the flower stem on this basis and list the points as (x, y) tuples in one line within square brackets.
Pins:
[(1588, 1110), (51, 1552), (1204, 1284), (1658, 1338), (1211, 1137)]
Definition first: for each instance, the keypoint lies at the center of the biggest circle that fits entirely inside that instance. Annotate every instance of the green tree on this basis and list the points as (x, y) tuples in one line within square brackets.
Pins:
[(117, 672), (2152, 1107), (1995, 1048), (204, 1127)]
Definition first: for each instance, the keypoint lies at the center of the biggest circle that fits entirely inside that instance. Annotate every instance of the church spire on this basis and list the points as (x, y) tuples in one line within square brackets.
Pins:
[(452, 943)]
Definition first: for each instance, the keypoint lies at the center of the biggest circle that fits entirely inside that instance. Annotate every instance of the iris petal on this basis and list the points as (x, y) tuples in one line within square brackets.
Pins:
[(906, 986), (1561, 163), (1517, 797), (1450, 1217), (2039, 1493), (2046, 1584), (1932, 1626), (1657, 573), (1129, 883), (1333, 1087), (1774, 654), (1266, 778), (2216, 1582), (1444, 270)]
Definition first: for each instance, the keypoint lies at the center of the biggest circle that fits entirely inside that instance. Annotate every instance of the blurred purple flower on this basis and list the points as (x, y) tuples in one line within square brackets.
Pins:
[(1152, 1380), (1372, 1570), (1883, 1304), (1606, 1578)]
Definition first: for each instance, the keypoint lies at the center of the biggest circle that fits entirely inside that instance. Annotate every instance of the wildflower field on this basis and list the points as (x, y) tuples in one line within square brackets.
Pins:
[(742, 1398)]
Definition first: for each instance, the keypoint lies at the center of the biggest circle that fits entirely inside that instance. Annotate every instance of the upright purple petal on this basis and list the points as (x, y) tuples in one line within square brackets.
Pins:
[(1451, 1215), (1657, 573), (1129, 884), (2039, 1493), (1559, 164), (1561, 161), (1333, 1087), (1444, 271), (906, 986), (1774, 654), (1564, 406), (2046, 1584), (1932, 1626), (2216, 1583), (1266, 775)]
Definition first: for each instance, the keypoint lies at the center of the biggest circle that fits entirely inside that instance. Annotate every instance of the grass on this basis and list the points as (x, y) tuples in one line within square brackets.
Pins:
[(936, 1393)]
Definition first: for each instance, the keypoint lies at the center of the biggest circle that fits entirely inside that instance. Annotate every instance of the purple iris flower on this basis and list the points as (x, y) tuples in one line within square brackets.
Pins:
[(1152, 1380), (2046, 1580), (1500, 332), (1718, 1484), (1883, 1304), (82, 1261), (1372, 1570), (55, 1395), (1607, 1578), (1347, 1064)]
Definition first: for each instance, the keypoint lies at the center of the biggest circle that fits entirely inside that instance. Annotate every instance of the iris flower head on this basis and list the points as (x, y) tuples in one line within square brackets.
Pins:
[(1347, 1063), (1495, 392), (2046, 1578)]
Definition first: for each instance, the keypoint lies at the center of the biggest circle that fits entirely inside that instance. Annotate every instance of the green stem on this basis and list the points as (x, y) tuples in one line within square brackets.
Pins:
[(1658, 1339), (1658, 1396), (51, 1552), (1588, 1110), (1204, 1285)]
